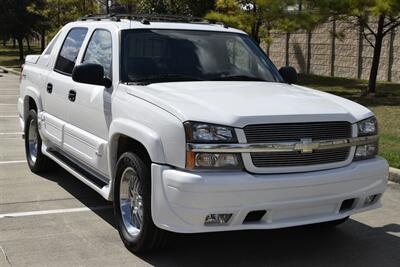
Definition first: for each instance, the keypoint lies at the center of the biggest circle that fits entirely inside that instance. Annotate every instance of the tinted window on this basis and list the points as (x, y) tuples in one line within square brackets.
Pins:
[(193, 55), (69, 51), (99, 51)]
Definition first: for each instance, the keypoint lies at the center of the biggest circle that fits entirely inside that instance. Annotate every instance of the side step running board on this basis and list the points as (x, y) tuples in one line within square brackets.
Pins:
[(90, 180)]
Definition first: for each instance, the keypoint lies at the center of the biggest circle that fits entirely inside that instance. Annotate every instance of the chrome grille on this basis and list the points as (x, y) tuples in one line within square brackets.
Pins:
[(269, 133), (295, 159), (264, 133)]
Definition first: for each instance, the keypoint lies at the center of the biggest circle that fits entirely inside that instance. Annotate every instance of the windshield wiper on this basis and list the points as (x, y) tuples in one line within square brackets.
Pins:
[(164, 78), (238, 78)]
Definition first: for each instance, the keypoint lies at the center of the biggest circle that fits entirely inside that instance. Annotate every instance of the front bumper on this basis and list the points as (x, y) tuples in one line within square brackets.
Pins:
[(181, 200)]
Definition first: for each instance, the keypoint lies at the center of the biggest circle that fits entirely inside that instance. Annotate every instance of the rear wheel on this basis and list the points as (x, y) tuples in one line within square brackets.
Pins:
[(132, 205), (37, 162)]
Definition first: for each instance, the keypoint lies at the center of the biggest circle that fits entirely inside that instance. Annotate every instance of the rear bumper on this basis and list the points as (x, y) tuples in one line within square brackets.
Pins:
[(181, 200)]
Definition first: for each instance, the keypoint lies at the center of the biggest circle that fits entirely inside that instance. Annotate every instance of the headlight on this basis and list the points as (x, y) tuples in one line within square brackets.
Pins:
[(197, 132), (368, 127)]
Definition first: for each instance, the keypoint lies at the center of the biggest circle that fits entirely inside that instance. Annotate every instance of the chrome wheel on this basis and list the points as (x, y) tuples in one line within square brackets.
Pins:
[(33, 141), (131, 202)]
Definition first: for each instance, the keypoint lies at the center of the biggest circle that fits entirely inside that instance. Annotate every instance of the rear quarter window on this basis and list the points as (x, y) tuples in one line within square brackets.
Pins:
[(69, 51)]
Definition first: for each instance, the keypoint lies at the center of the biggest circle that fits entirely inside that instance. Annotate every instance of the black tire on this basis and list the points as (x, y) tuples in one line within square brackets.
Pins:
[(150, 237), (330, 224), (42, 163)]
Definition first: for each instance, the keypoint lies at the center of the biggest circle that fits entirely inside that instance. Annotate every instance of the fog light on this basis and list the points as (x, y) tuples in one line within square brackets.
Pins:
[(217, 219), (366, 151), (370, 199)]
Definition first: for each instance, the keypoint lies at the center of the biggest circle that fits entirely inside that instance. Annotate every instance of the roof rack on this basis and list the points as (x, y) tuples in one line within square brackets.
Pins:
[(147, 18)]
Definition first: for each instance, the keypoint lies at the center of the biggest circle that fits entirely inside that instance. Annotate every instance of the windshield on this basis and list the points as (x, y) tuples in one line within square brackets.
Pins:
[(150, 56)]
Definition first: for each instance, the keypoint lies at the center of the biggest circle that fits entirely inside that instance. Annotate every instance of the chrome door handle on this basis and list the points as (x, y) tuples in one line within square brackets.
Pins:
[(72, 95), (49, 88)]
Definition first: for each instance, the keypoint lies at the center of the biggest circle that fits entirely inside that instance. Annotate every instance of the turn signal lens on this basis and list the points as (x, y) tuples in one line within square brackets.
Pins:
[(211, 160), (366, 151)]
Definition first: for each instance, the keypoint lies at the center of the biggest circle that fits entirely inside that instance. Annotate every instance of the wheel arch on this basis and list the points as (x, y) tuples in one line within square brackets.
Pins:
[(126, 135), (31, 100)]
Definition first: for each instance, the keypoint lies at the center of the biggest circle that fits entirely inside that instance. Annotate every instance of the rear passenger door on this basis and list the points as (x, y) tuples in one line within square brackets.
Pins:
[(86, 134), (59, 84)]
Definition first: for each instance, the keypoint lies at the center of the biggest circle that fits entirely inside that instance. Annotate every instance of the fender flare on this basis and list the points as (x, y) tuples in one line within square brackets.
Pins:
[(35, 94), (138, 132)]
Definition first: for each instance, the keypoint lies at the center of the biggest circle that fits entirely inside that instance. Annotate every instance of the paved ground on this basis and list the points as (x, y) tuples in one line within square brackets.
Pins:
[(78, 236)]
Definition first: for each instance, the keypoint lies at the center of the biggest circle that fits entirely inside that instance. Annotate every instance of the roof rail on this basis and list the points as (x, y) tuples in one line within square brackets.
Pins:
[(147, 18)]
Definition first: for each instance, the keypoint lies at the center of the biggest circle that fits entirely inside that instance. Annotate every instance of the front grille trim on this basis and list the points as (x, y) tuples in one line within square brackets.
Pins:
[(263, 133), (286, 132), (295, 159)]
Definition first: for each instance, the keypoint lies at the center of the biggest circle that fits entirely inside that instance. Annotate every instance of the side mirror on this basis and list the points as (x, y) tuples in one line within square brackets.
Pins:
[(91, 74), (289, 74)]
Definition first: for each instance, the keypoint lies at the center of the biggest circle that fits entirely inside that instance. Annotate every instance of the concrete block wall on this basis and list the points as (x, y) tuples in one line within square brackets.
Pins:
[(347, 62), (396, 56)]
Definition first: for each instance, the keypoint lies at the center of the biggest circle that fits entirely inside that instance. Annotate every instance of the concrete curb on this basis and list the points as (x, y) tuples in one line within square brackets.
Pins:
[(8, 70), (394, 175)]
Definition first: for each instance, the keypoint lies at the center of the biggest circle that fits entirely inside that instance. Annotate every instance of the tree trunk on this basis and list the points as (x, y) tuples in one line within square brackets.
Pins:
[(287, 49), (58, 14), (20, 48), (360, 52), (309, 39), (84, 7), (42, 40), (255, 31), (28, 44), (268, 41), (377, 56), (14, 42), (333, 48)]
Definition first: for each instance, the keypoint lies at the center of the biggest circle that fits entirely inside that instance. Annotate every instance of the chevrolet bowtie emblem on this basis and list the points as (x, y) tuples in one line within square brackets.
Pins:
[(306, 146)]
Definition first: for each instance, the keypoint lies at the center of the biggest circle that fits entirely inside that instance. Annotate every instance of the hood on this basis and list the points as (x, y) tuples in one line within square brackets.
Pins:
[(241, 103)]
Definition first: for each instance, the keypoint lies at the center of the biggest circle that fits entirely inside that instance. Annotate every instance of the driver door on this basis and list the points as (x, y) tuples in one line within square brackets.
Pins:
[(89, 111)]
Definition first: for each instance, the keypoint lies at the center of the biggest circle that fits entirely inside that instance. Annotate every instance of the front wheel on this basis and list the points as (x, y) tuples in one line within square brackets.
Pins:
[(132, 205)]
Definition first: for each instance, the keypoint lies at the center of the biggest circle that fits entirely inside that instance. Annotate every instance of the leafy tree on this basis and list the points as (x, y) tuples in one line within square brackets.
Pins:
[(20, 20), (57, 13), (257, 17), (176, 7), (60, 12), (106, 4), (377, 18)]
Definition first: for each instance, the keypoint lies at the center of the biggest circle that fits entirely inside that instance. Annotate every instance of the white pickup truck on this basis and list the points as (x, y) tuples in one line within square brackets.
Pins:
[(188, 127)]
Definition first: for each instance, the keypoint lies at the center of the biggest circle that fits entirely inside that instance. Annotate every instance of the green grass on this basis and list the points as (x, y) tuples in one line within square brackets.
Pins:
[(9, 55), (385, 104)]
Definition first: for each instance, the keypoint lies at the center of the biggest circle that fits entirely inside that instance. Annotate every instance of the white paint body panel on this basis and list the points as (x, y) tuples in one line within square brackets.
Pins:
[(241, 103), (182, 200), (88, 129)]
